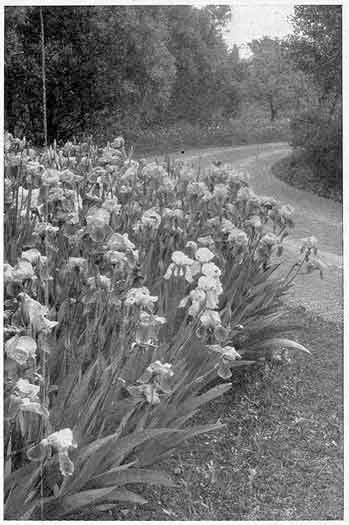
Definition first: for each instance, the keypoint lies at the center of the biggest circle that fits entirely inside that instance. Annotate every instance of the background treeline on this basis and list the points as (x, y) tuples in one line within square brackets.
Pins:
[(164, 75), (134, 66)]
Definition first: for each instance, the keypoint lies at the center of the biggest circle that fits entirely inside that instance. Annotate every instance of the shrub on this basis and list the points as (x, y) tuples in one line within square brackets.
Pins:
[(129, 287), (318, 133), (180, 135), (298, 170)]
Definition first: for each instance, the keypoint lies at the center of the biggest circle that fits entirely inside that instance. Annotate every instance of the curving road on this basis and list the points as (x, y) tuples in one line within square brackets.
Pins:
[(313, 216)]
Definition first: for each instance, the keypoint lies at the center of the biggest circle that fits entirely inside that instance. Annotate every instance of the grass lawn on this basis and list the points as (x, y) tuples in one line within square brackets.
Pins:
[(280, 456)]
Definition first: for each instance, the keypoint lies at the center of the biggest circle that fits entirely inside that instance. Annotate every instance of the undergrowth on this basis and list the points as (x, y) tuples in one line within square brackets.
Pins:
[(162, 139), (299, 171)]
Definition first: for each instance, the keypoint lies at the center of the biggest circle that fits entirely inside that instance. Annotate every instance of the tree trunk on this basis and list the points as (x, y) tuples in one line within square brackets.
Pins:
[(273, 110)]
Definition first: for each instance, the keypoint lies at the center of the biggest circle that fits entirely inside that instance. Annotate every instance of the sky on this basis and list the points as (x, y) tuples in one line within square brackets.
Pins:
[(252, 20)]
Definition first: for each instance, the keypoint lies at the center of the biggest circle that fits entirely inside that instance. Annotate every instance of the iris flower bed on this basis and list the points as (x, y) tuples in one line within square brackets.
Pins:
[(133, 290)]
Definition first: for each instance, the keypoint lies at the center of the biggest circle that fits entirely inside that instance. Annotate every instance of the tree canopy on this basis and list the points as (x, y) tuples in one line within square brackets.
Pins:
[(316, 50), (316, 45), (271, 77), (142, 64)]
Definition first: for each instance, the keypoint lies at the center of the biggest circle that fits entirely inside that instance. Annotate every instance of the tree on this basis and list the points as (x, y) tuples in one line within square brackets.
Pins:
[(22, 85), (316, 45), (204, 83), (68, 70), (270, 75), (316, 50), (125, 66)]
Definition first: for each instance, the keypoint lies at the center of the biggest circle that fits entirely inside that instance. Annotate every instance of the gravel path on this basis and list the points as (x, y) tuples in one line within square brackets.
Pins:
[(313, 215)]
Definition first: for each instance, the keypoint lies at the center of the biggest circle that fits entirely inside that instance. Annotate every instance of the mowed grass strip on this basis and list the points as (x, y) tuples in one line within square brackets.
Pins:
[(280, 456)]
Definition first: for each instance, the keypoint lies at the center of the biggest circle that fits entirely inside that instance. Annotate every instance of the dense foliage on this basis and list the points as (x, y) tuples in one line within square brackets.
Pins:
[(130, 287), (272, 78), (135, 66), (316, 49), (316, 45)]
